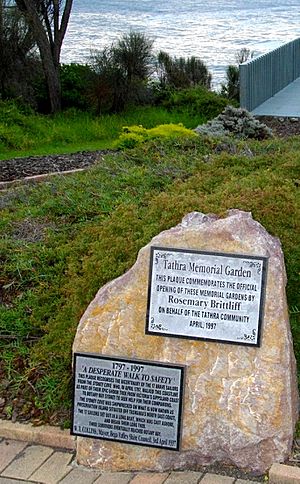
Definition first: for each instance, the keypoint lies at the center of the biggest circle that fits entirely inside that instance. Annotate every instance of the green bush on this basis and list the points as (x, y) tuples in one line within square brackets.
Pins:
[(196, 100), (133, 53), (75, 84), (231, 88), (180, 73), (121, 72), (14, 112), (17, 125)]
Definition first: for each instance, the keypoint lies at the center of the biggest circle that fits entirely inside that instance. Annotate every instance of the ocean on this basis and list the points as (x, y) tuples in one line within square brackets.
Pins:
[(213, 30)]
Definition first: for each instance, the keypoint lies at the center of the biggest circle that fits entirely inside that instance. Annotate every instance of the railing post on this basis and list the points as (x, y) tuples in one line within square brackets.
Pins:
[(244, 90)]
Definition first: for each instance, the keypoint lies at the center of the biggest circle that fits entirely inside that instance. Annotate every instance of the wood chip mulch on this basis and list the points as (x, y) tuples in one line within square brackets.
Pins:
[(18, 168)]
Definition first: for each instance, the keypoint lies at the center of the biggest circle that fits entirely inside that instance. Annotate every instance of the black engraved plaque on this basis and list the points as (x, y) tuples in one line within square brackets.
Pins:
[(129, 401)]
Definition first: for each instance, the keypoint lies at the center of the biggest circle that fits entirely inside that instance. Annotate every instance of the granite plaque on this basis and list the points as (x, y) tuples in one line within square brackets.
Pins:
[(206, 295), (129, 401)]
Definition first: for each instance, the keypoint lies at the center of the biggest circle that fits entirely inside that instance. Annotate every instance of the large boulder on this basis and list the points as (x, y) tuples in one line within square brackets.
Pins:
[(240, 402)]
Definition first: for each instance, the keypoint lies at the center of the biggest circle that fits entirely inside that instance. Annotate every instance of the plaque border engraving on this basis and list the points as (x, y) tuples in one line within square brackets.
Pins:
[(181, 368), (264, 260)]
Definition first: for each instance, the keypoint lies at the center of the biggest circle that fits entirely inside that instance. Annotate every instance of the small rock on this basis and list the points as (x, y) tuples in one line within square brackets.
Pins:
[(2, 402), (14, 416), (5, 384), (294, 120)]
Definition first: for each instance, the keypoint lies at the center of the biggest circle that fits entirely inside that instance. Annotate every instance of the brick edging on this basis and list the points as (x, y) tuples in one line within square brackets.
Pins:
[(57, 438), (44, 434), (284, 474)]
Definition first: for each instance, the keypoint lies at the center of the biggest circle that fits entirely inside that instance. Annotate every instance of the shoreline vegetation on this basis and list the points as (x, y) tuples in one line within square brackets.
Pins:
[(121, 85)]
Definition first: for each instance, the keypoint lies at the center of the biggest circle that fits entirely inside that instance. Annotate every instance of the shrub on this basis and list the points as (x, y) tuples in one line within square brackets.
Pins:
[(108, 90), (231, 88), (121, 72), (197, 100), (133, 53), (235, 121), (75, 82), (181, 73), (134, 135)]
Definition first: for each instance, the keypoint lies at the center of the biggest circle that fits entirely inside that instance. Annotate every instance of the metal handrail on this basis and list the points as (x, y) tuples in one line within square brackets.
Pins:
[(264, 76)]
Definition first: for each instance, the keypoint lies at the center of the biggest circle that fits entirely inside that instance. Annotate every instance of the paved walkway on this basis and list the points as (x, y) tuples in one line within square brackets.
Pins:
[(24, 462), (285, 103)]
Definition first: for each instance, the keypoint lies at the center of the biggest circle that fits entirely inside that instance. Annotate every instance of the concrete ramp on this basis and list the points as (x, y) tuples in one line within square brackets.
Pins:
[(284, 103)]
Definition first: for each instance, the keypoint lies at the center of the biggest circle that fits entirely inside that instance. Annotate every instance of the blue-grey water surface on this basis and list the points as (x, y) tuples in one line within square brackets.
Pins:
[(213, 30)]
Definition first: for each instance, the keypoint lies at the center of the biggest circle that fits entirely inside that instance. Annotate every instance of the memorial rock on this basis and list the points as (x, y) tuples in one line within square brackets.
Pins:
[(240, 403)]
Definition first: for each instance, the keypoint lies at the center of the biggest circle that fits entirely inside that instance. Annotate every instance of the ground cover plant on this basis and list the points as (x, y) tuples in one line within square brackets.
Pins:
[(65, 238), (131, 136), (23, 132)]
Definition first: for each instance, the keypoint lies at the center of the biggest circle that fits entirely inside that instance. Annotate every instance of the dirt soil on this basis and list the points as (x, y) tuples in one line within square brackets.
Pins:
[(282, 127)]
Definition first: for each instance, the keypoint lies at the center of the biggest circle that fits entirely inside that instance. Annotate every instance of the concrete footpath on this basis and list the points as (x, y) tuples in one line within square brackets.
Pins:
[(46, 455)]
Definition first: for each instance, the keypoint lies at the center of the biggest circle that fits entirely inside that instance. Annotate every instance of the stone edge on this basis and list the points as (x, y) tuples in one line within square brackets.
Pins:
[(44, 434), (37, 178), (284, 474)]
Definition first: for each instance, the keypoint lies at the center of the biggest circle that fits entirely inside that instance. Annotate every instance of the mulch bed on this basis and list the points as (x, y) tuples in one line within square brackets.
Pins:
[(18, 168)]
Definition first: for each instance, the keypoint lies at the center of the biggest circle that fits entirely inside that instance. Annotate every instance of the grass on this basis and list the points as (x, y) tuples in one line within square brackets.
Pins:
[(28, 134), (65, 238)]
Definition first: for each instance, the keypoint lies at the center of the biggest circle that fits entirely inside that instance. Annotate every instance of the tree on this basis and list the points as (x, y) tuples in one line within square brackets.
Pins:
[(108, 88), (243, 55), (16, 52), (231, 89), (48, 20), (133, 53)]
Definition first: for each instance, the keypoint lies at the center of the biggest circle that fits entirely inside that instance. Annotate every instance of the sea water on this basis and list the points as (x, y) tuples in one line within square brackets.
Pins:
[(214, 30)]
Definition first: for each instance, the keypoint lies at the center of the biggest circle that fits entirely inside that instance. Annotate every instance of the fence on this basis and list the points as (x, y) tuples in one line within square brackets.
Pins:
[(264, 76)]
